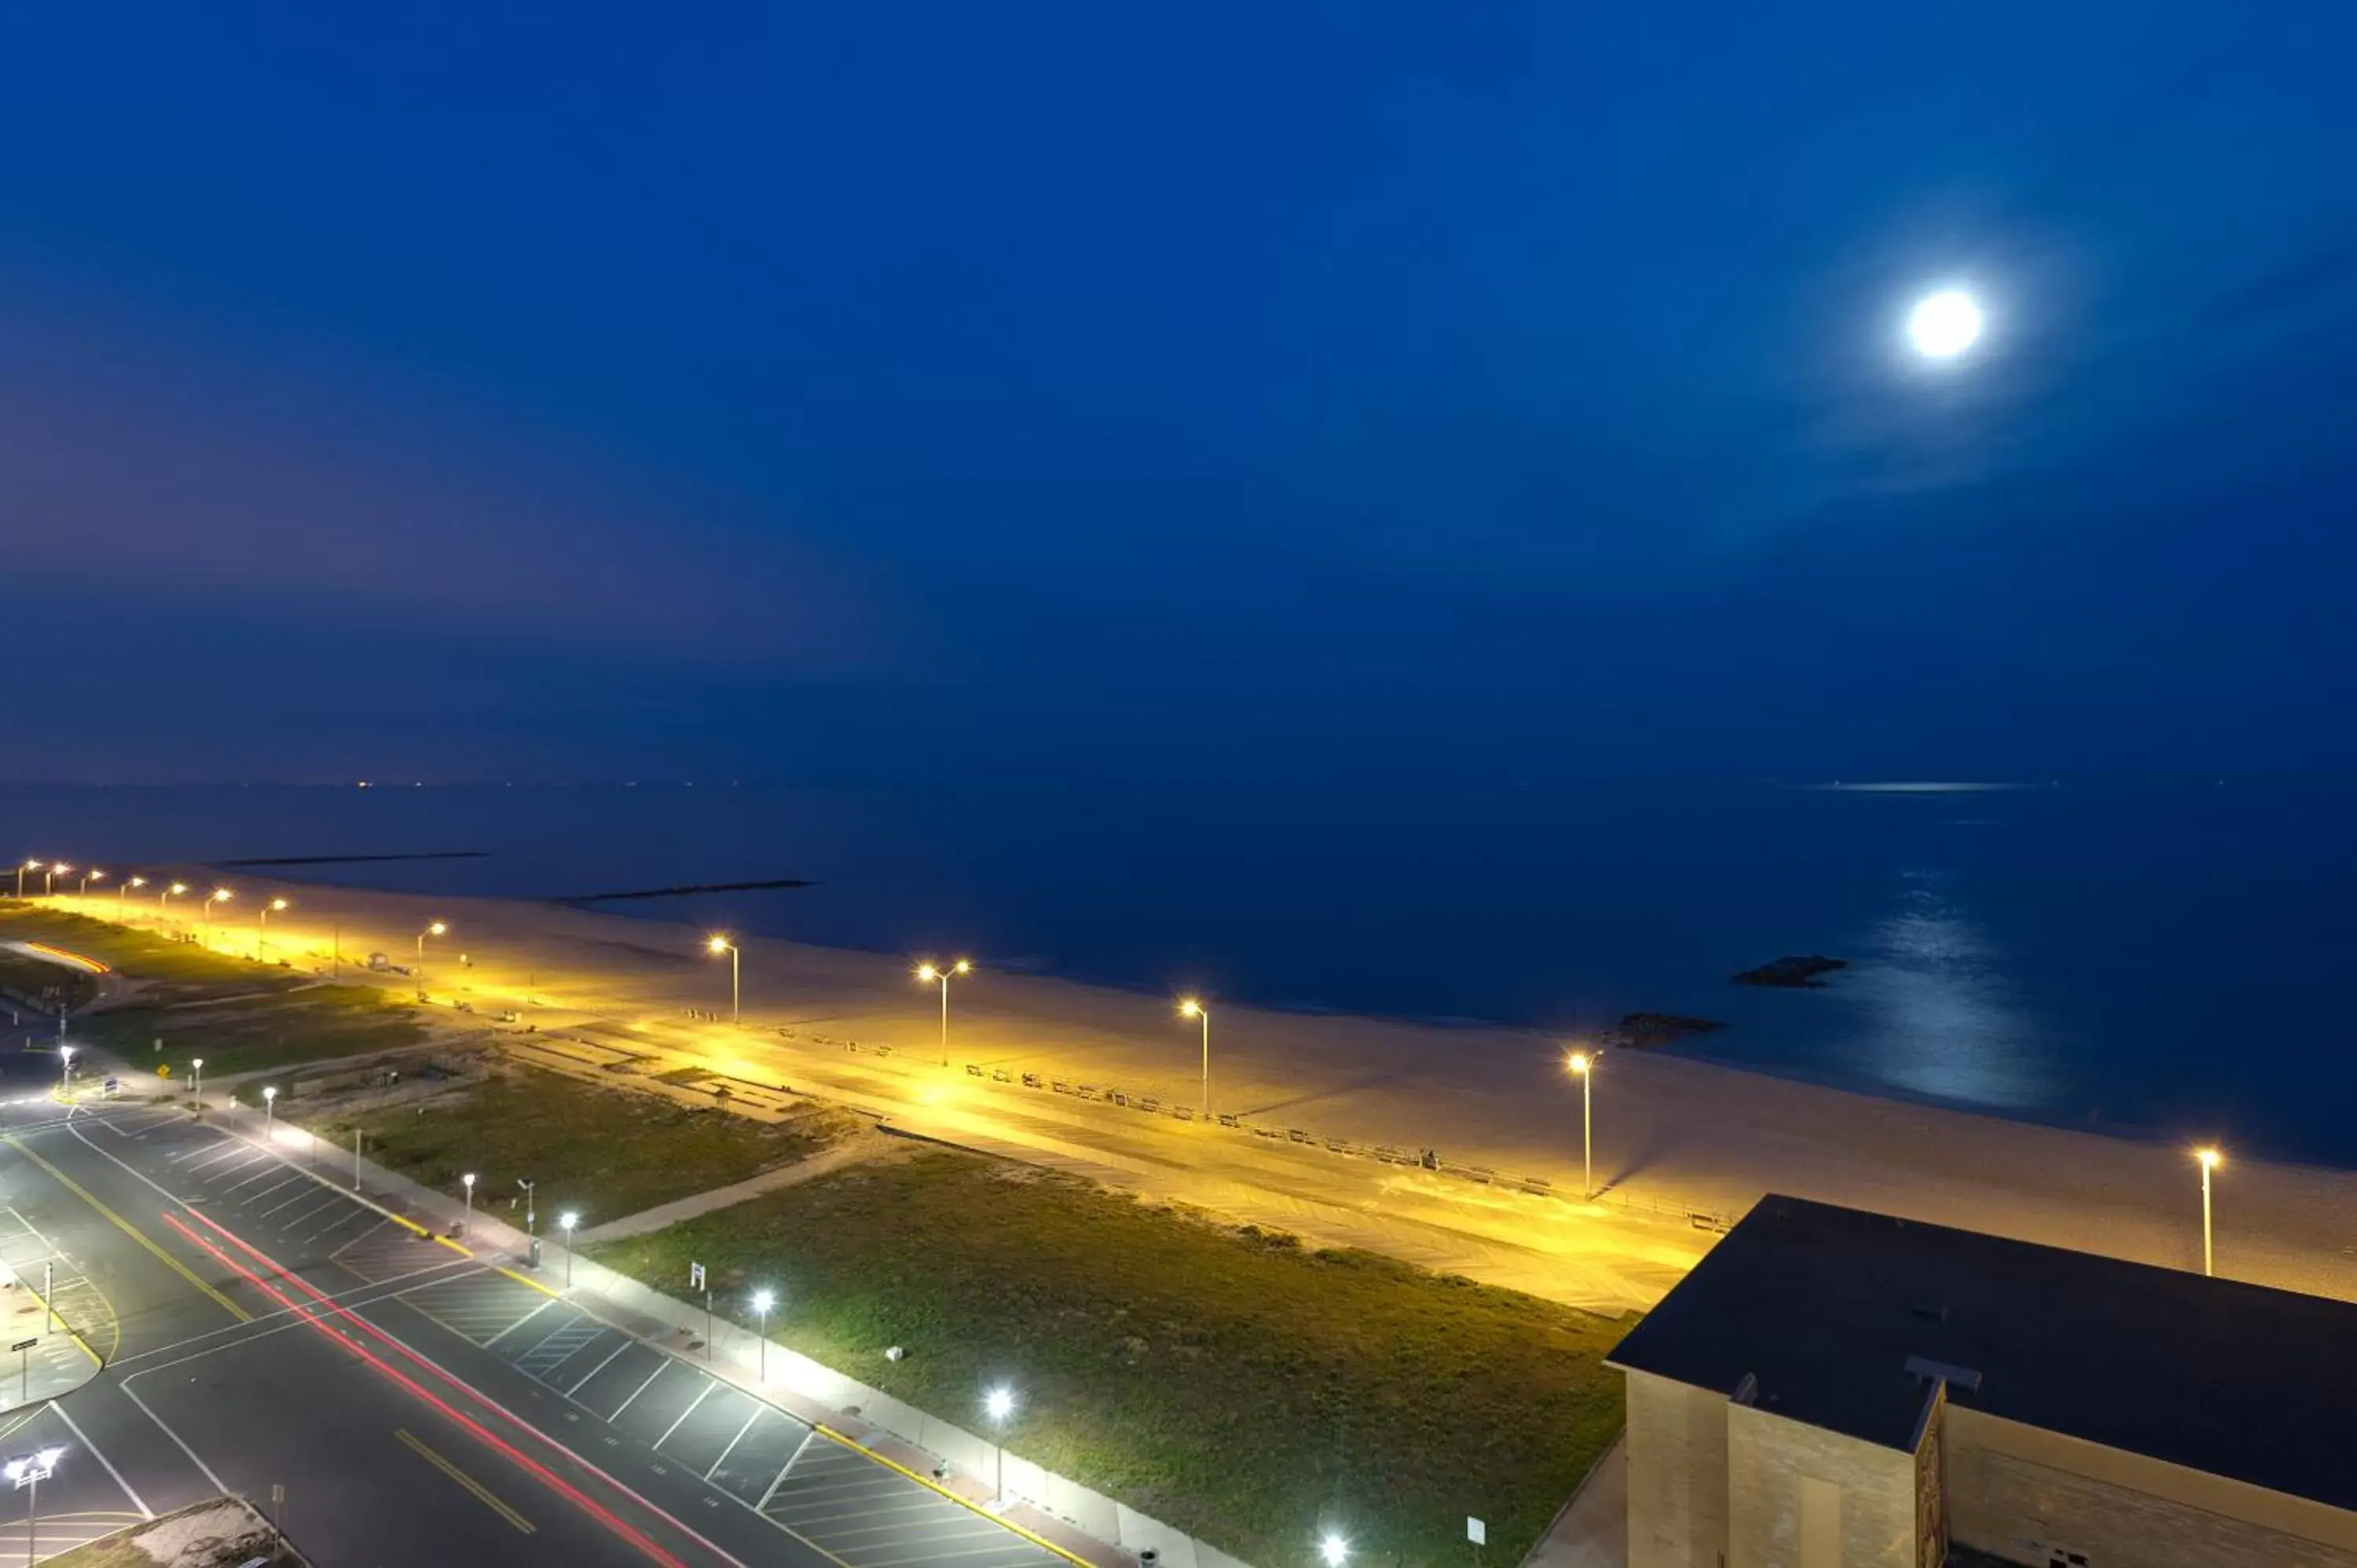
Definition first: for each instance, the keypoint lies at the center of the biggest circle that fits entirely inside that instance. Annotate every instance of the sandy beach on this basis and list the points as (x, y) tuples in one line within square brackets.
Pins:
[(1677, 1134)]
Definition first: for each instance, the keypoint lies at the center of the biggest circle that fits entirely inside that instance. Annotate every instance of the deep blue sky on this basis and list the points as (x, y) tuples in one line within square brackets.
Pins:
[(861, 391)]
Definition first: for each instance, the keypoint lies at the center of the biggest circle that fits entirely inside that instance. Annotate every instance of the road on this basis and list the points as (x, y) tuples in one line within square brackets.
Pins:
[(268, 1334)]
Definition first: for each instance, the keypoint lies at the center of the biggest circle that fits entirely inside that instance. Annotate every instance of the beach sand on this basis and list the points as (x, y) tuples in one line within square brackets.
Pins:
[(1678, 1134)]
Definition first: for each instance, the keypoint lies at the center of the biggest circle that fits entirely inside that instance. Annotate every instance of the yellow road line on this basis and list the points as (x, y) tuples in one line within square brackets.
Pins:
[(116, 1322), (133, 1231), (482, 1493)]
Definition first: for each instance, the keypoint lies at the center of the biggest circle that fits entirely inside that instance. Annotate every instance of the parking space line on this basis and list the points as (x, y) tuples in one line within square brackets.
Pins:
[(710, 1384), (933, 1555), (763, 1507), (909, 1502), (660, 1365), (225, 1147), (306, 1239), (262, 1176), (545, 1338), (231, 1168), (306, 1214), (625, 1343), (519, 1322), (276, 1207), (266, 1192), (758, 1408)]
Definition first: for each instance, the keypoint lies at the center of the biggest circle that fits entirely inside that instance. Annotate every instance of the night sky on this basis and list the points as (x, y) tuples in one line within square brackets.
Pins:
[(885, 390)]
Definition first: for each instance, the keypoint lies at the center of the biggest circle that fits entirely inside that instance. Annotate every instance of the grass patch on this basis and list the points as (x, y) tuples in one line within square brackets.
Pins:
[(606, 1152), (1225, 1380), (239, 1015)]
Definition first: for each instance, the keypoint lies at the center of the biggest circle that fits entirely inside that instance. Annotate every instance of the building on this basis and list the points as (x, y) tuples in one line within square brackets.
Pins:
[(1834, 1388)]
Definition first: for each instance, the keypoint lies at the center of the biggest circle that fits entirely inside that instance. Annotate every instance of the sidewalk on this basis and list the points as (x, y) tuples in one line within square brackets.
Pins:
[(675, 1327)]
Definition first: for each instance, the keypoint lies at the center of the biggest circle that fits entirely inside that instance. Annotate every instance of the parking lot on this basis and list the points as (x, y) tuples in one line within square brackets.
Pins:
[(834, 1497)]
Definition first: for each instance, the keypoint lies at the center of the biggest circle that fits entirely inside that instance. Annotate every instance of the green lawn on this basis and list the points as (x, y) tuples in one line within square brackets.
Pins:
[(239, 1015), (1223, 1380), (605, 1152)]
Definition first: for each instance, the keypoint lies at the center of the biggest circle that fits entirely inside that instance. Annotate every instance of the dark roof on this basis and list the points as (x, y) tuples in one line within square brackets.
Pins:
[(1825, 1307)]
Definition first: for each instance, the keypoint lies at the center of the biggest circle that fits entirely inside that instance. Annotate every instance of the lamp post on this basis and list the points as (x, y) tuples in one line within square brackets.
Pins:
[(721, 944), (27, 1471), (28, 866), (89, 876), (122, 890), (565, 1223), (1581, 1063), (261, 925), (164, 898), (65, 1066), (762, 1302), (50, 876), (927, 971), (436, 930), (217, 896), (467, 1225), (197, 1080), (998, 1405), (2210, 1160), (1188, 1007), (270, 1115), (1333, 1550)]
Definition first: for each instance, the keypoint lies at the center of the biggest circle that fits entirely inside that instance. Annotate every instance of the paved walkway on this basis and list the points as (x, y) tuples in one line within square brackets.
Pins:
[(863, 1145), (1592, 1530)]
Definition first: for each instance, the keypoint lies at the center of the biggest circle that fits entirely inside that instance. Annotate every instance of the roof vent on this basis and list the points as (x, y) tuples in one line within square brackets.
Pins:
[(1747, 1391), (1931, 1371)]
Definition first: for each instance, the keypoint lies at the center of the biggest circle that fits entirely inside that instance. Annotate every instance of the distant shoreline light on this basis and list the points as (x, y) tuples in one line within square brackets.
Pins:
[(1921, 787)]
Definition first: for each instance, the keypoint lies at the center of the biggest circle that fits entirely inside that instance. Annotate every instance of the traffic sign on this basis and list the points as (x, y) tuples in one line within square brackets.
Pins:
[(1476, 1531), (22, 1345), (696, 1276)]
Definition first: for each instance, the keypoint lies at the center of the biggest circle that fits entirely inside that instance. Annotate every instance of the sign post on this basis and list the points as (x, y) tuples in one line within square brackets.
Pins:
[(24, 1348), (695, 1281)]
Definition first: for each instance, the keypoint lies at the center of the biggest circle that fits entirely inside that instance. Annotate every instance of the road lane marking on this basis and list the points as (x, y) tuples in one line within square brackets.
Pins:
[(482, 1493), (136, 1500), (131, 1230)]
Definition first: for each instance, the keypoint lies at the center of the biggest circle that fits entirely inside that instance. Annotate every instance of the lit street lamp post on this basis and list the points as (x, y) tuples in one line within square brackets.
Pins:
[(122, 890), (467, 1225), (1191, 1008), (28, 866), (930, 972), (87, 878), (65, 1066), (217, 896), (270, 1114), (50, 876), (261, 925), (1334, 1550), (164, 898), (196, 1077), (27, 1471), (565, 1223), (762, 1302), (2210, 1160), (436, 930), (721, 944), (998, 1405), (1584, 1064)]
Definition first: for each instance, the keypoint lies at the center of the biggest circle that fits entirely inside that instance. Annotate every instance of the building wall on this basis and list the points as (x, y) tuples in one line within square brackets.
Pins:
[(1677, 1474), (2012, 1488), (1782, 1476)]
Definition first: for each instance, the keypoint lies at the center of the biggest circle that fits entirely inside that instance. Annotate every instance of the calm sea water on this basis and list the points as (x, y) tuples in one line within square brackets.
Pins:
[(2157, 958)]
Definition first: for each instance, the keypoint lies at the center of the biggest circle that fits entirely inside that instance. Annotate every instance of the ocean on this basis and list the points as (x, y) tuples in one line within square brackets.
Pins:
[(2158, 959)]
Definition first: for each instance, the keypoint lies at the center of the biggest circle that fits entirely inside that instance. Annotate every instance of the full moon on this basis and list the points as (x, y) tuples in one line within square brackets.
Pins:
[(1945, 324)]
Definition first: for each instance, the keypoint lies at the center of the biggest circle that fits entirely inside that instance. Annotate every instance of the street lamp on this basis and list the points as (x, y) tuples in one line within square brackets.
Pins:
[(467, 1225), (927, 971), (436, 930), (196, 1077), (1334, 1549), (1583, 1064), (50, 876), (64, 1064), (164, 898), (721, 944), (998, 1405), (122, 890), (29, 1470), (565, 1223), (762, 1302), (87, 878), (2210, 1160), (1190, 1008), (28, 866), (262, 923), (217, 896), (270, 1117)]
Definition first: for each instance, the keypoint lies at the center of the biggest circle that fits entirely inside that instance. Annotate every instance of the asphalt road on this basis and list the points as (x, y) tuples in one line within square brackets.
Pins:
[(267, 1334)]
